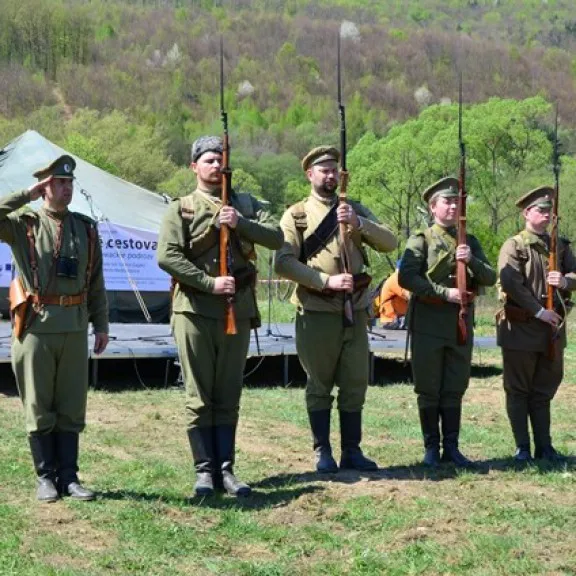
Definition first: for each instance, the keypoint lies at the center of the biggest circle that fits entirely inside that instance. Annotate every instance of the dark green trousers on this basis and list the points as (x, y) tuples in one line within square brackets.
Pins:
[(531, 381), (441, 371), (212, 367), (332, 355), (532, 375), (51, 373)]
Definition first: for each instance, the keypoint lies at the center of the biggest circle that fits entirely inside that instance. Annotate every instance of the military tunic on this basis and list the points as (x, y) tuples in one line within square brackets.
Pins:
[(50, 361), (531, 377), (330, 354), (440, 366), (188, 249)]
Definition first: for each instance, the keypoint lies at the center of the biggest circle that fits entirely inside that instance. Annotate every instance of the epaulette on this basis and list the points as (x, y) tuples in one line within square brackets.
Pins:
[(187, 207), (299, 215)]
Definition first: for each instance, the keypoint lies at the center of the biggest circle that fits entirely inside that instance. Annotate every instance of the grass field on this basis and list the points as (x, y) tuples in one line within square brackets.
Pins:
[(400, 520)]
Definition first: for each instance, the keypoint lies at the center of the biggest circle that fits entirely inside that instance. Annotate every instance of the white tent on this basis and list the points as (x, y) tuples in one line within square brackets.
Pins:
[(129, 220)]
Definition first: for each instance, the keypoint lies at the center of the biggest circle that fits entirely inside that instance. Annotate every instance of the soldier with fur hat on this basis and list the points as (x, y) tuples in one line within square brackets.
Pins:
[(60, 289), (213, 362), (310, 257), (441, 366), (525, 326)]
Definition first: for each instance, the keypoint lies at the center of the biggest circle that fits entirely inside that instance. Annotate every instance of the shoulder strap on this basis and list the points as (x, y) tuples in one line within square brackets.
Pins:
[(91, 233), (32, 253)]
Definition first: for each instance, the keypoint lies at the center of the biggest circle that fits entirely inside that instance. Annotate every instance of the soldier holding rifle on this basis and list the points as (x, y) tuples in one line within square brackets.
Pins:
[(531, 334), (212, 348), (441, 357), (332, 347)]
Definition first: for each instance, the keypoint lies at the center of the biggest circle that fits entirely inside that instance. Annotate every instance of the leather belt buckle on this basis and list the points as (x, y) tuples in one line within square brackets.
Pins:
[(64, 300)]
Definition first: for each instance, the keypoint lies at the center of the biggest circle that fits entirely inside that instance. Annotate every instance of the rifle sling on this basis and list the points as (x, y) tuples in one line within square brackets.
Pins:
[(318, 239)]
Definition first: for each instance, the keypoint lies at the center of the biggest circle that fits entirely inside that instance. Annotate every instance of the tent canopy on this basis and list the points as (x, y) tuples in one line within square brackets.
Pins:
[(97, 193)]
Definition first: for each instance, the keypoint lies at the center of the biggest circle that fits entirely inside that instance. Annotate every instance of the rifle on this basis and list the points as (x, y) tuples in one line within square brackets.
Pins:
[(553, 256), (348, 310), (461, 231), (225, 249)]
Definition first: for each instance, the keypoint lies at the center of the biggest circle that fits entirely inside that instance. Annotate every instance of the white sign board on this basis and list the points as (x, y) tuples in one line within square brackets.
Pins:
[(131, 253), (126, 253)]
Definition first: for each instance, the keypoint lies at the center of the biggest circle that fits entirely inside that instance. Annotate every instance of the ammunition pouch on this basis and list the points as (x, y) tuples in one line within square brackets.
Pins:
[(514, 313), (19, 302), (443, 268)]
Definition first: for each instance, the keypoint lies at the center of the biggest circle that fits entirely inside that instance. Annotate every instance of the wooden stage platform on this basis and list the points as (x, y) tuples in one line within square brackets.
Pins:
[(155, 341)]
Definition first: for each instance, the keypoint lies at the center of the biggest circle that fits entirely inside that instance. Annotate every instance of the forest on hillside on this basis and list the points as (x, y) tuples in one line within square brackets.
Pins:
[(128, 84)]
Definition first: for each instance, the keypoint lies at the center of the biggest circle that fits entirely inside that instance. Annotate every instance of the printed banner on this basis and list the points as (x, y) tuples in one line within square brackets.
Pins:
[(131, 253), (126, 253)]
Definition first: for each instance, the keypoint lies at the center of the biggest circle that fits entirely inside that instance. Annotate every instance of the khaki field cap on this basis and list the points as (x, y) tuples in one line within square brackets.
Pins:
[(447, 187), (319, 155), (541, 197), (62, 167), (206, 144)]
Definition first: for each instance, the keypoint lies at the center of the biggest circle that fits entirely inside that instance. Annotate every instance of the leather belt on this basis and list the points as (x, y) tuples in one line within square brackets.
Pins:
[(437, 301), (59, 300)]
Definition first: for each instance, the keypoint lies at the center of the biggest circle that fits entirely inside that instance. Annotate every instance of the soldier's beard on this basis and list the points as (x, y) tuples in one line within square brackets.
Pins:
[(326, 190)]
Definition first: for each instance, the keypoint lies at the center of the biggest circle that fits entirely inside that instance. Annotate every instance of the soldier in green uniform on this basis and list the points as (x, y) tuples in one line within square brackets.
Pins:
[(331, 354), (213, 362), (441, 366), (532, 371), (59, 263)]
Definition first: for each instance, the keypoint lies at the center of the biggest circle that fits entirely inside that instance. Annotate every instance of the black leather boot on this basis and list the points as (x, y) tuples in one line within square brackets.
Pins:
[(517, 409), (320, 425), (202, 447), (429, 422), (451, 418), (67, 456), (225, 449), (43, 451), (522, 454), (350, 438), (540, 419)]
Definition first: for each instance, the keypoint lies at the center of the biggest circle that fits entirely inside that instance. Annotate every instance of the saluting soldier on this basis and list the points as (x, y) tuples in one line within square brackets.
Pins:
[(59, 263), (532, 374), (213, 362), (440, 365), (331, 354)]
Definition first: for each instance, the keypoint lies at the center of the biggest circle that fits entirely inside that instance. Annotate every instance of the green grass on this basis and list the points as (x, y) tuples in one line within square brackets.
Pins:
[(402, 520)]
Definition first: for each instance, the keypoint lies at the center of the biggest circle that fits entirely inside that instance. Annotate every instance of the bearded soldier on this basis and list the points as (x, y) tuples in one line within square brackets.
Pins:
[(213, 361), (58, 291), (331, 354), (533, 372), (440, 365)]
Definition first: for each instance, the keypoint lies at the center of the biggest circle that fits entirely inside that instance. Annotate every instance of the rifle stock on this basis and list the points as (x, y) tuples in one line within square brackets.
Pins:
[(225, 255), (553, 255), (348, 308), (461, 279)]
